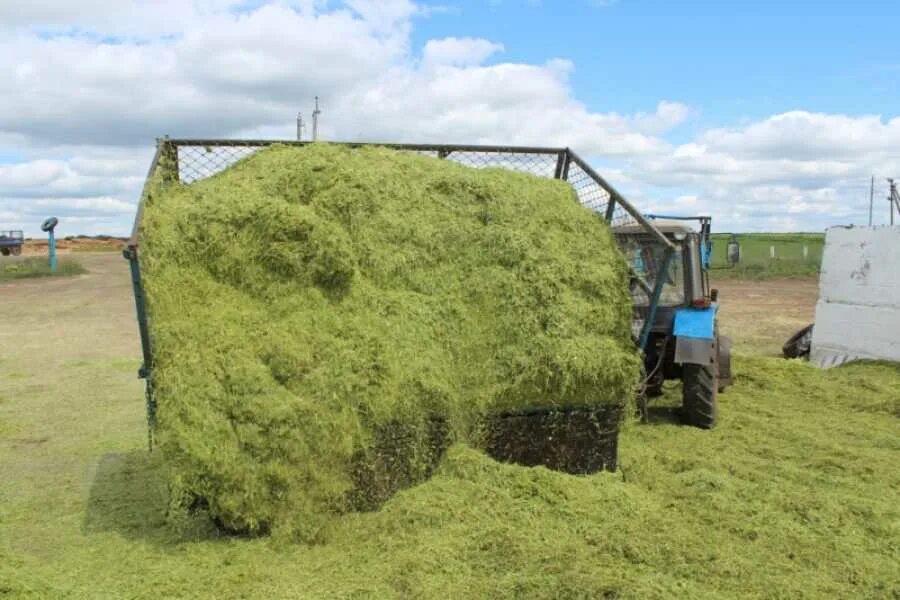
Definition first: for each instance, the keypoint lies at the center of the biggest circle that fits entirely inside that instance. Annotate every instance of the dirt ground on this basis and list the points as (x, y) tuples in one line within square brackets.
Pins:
[(38, 247), (760, 316)]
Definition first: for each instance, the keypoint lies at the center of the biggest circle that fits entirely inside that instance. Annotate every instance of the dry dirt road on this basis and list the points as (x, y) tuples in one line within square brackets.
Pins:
[(761, 315)]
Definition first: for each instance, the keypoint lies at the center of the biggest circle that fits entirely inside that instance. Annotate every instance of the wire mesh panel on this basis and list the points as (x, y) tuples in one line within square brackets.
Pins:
[(200, 162), (542, 165), (198, 159), (590, 194)]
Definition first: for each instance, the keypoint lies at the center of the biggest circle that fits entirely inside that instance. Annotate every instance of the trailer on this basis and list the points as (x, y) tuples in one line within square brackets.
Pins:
[(188, 160)]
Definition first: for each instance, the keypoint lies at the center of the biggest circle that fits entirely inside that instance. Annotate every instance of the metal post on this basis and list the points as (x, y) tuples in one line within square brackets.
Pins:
[(893, 198), (654, 300), (871, 199), (299, 127), (52, 250), (131, 254)]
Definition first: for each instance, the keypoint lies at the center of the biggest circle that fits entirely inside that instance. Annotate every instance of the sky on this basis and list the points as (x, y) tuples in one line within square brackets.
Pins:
[(769, 116)]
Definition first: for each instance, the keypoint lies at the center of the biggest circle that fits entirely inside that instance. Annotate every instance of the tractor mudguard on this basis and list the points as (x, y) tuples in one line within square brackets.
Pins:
[(695, 335)]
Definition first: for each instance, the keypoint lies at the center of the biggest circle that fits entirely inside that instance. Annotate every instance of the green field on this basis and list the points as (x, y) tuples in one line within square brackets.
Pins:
[(793, 495), (756, 254)]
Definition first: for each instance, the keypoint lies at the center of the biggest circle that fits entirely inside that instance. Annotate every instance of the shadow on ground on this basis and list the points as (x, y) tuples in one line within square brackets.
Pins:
[(664, 414), (128, 496)]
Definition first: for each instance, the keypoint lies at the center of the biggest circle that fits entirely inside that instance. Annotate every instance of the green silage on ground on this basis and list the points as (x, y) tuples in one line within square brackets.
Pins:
[(793, 495), (321, 315)]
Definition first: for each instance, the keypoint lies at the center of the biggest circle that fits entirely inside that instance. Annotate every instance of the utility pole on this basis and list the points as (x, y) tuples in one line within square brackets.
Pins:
[(315, 117), (300, 127), (871, 199), (893, 199)]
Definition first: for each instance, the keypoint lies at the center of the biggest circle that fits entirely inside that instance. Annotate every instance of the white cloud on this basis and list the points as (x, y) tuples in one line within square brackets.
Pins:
[(458, 52), (85, 103)]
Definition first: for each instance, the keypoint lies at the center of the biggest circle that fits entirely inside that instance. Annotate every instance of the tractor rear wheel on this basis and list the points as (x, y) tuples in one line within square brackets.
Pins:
[(699, 395)]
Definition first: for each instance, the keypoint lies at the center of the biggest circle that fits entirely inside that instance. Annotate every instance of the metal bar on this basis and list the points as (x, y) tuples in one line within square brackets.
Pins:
[(615, 195), (145, 192), (419, 147), (131, 254), (568, 161), (654, 301), (702, 219), (610, 209), (560, 165)]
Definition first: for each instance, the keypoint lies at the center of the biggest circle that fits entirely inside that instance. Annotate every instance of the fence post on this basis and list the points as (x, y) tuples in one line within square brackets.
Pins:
[(771, 251), (805, 252)]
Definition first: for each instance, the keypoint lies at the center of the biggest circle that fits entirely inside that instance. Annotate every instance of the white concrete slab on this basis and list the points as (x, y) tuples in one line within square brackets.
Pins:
[(858, 313)]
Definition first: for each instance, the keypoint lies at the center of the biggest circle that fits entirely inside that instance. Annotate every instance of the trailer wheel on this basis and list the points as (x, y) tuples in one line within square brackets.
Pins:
[(16, 250), (4, 251), (699, 395)]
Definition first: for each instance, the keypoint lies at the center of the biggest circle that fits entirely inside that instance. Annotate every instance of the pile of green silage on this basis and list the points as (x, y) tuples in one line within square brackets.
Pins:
[(325, 320)]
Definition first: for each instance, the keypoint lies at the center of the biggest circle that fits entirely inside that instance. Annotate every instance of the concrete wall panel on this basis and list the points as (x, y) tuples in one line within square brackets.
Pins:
[(858, 313)]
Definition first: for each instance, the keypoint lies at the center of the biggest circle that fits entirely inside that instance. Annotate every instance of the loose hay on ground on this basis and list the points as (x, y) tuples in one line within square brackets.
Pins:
[(322, 316)]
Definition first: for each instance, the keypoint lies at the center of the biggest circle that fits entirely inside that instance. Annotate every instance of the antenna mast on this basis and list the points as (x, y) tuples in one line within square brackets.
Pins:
[(315, 119)]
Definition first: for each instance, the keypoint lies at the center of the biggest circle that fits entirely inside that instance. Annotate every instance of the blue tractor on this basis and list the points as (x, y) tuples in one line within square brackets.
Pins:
[(675, 314)]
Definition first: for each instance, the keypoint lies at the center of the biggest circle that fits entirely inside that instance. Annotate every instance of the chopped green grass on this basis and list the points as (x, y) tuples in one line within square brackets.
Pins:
[(792, 496), (38, 267), (323, 318)]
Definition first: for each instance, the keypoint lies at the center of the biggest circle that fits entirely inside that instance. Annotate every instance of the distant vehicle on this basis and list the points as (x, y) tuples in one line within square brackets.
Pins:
[(11, 242)]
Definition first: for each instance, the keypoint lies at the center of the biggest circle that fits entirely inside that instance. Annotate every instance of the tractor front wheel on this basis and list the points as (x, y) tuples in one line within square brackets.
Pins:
[(699, 395)]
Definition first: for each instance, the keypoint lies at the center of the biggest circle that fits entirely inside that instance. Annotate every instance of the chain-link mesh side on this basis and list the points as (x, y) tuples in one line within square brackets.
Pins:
[(590, 194), (198, 159), (543, 165), (200, 162), (197, 162)]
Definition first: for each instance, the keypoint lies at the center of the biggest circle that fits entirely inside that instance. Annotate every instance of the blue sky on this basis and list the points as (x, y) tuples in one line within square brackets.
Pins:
[(771, 116), (731, 60)]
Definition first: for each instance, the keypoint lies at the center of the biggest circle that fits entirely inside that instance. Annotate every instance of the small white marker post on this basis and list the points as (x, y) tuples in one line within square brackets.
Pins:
[(805, 252), (771, 251)]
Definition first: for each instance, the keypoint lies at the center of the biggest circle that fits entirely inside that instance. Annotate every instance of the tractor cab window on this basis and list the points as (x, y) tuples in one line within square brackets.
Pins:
[(646, 260)]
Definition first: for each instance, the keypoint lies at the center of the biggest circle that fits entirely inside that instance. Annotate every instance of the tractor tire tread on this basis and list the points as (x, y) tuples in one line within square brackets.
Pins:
[(699, 395)]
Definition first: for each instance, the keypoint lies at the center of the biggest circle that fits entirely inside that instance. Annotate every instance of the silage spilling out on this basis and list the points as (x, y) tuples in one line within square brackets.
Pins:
[(325, 320)]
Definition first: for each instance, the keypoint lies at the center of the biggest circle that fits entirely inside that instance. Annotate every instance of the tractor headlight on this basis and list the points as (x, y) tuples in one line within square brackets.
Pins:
[(679, 236)]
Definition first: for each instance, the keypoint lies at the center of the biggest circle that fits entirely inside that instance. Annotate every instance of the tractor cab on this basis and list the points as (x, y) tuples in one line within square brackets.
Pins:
[(675, 312)]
